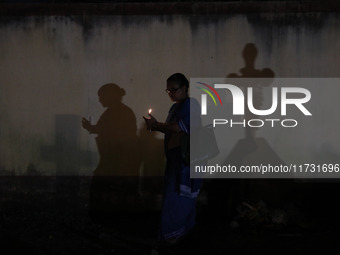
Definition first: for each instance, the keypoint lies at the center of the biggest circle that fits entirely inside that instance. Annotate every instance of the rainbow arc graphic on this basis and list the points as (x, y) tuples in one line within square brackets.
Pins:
[(209, 93)]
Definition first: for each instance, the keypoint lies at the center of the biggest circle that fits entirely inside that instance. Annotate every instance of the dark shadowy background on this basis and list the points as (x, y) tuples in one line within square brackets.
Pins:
[(55, 55)]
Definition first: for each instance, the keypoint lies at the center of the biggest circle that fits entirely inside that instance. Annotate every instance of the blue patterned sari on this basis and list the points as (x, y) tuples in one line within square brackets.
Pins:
[(180, 192)]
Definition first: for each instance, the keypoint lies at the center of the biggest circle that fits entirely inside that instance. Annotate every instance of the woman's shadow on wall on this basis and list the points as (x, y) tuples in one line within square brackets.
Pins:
[(115, 180), (116, 190)]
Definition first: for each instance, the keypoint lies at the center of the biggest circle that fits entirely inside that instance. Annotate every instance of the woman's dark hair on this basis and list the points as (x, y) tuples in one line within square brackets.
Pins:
[(180, 79)]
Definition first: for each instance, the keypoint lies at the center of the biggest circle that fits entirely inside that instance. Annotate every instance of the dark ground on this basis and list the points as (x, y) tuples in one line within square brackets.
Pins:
[(49, 215)]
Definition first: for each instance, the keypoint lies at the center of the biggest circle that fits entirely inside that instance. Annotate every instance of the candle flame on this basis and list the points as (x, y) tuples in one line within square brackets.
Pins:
[(150, 111)]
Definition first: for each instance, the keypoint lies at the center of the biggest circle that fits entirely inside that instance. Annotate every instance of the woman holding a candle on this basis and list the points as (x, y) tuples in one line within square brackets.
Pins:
[(180, 192)]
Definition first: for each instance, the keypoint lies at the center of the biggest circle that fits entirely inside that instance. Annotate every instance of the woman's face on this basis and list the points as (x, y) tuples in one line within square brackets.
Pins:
[(175, 92)]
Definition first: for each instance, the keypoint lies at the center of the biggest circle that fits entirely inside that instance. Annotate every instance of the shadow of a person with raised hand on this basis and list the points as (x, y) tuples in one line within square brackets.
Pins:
[(114, 186)]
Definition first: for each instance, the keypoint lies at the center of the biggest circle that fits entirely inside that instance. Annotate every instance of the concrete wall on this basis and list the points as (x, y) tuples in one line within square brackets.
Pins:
[(52, 66)]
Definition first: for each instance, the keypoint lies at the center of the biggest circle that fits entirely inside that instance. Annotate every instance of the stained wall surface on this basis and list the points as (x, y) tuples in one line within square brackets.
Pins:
[(51, 68)]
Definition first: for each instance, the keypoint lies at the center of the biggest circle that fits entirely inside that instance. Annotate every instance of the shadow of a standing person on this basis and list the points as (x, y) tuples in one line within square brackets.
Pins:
[(114, 186), (248, 148)]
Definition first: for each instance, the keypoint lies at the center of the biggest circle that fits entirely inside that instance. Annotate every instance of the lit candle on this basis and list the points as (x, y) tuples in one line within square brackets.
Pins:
[(150, 110)]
